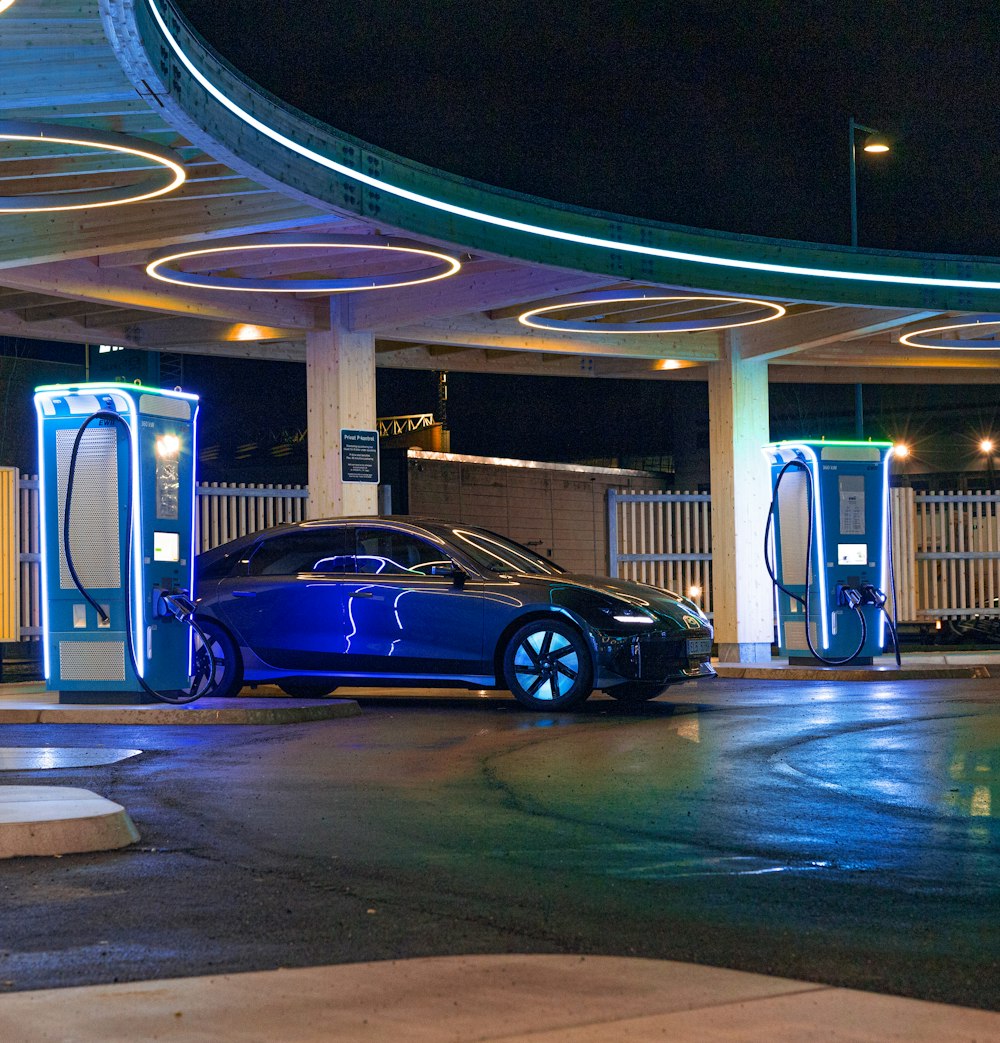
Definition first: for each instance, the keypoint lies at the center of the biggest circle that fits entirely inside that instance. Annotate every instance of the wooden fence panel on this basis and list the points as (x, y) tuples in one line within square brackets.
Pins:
[(945, 548)]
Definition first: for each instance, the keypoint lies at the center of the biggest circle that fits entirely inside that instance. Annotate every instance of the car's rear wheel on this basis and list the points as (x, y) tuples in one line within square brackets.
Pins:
[(222, 678), (635, 693), (547, 665), (307, 689)]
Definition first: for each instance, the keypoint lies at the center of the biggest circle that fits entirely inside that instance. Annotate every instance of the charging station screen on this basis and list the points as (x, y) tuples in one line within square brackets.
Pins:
[(852, 553), (166, 546)]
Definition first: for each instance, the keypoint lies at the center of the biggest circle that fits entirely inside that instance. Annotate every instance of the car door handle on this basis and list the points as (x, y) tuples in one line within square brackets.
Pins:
[(362, 594), (244, 593)]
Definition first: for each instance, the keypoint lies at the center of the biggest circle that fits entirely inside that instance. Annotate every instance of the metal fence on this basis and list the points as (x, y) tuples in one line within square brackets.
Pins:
[(223, 512), (946, 548)]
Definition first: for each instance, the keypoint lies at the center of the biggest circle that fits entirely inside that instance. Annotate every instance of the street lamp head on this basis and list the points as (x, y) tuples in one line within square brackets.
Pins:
[(876, 143), (986, 446)]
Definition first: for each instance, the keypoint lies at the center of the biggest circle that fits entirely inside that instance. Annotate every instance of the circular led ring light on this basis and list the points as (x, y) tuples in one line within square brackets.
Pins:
[(537, 317), (444, 266), (169, 172), (952, 344)]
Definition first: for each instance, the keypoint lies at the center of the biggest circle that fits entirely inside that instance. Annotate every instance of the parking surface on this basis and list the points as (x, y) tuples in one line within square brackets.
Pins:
[(836, 833)]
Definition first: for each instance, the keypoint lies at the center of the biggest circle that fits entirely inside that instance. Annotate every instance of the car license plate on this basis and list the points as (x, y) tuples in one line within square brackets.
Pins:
[(698, 646)]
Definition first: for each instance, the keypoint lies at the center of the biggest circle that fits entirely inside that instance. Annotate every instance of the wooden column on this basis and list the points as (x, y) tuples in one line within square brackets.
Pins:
[(340, 395), (741, 493)]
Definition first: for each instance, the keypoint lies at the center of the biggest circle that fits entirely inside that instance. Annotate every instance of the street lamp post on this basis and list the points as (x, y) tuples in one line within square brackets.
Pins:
[(874, 143)]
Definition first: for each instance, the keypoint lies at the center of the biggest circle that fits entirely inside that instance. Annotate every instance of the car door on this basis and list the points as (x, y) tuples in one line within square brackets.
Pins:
[(409, 612), (286, 601)]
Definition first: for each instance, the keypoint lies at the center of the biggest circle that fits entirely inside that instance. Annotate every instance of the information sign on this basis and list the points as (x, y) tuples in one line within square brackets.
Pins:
[(359, 456)]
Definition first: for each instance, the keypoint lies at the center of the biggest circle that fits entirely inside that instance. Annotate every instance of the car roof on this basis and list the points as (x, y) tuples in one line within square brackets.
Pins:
[(412, 524)]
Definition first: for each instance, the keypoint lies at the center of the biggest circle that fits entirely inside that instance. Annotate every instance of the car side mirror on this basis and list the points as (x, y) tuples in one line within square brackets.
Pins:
[(457, 575)]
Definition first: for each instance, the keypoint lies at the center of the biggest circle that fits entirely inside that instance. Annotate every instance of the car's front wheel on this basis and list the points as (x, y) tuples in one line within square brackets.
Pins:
[(221, 674), (547, 665)]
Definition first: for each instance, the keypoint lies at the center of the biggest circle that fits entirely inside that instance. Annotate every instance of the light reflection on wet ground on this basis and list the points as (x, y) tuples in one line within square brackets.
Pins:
[(836, 832), (44, 758)]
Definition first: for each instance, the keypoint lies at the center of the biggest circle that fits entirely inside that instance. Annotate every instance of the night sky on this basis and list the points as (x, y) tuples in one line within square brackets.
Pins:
[(724, 115)]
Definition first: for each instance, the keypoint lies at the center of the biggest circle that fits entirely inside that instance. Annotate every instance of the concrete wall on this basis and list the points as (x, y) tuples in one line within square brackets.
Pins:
[(559, 510)]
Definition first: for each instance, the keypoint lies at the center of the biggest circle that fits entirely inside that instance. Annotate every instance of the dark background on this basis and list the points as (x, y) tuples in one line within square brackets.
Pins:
[(725, 115)]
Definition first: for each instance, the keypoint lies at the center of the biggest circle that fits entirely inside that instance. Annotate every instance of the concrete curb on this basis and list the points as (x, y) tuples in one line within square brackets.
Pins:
[(60, 820), (234, 711), (760, 672)]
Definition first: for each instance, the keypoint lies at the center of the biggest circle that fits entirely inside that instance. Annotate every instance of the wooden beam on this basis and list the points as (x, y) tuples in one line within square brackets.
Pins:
[(481, 285), (59, 309), (392, 355), (924, 376), (796, 333), (81, 280), (511, 336), (320, 225), (881, 354), (30, 239)]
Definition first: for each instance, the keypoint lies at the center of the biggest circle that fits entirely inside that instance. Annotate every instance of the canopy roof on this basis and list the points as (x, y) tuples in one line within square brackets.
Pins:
[(318, 205)]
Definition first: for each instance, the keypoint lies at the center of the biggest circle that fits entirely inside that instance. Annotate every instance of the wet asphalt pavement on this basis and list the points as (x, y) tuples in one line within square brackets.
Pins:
[(840, 833)]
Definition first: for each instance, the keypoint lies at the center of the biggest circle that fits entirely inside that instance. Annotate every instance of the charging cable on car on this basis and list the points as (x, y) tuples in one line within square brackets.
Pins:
[(179, 605)]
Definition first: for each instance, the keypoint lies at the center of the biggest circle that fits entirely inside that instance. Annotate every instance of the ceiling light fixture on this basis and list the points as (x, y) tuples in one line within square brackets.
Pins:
[(167, 175), (442, 265), (924, 338), (540, 318)]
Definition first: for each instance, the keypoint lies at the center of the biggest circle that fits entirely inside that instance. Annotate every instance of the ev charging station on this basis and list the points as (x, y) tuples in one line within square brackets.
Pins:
[(117, 497), (830, 560)]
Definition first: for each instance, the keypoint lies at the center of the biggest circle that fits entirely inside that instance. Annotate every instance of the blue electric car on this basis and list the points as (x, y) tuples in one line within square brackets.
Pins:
[(391, 601)]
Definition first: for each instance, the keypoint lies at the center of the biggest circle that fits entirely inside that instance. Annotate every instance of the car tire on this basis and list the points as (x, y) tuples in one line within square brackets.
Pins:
[(306, 689), (547, 665), (228, 676), (635, 693)]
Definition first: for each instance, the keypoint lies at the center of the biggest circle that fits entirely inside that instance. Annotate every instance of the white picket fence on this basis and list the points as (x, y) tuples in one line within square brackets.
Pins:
[(227, 511), (664, 539), (223, 512), (946, 548)]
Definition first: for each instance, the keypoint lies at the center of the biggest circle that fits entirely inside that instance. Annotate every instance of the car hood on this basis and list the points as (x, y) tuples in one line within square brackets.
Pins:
[(640, 594)]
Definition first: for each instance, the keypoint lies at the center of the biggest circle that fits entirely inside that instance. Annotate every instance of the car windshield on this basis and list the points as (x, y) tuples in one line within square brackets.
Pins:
[(498, 554)]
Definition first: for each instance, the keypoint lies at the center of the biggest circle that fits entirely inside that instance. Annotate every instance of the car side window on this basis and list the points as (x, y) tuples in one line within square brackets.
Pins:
[(314, 550), (387, 552)]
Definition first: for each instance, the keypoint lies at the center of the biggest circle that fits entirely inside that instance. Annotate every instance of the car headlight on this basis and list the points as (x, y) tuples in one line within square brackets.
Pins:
[(625, 614)]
